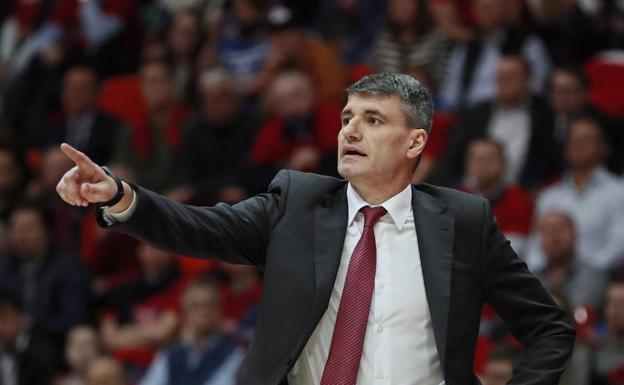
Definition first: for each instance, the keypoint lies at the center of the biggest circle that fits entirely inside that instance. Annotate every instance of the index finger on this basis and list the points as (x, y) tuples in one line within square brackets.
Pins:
[(82, 161)]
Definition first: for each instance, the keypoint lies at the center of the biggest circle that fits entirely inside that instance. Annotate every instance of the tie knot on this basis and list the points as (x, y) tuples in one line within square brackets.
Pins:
[(372, 215)]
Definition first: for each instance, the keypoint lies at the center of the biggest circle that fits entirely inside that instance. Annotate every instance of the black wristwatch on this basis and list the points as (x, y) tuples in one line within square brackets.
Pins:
[(120, 189)]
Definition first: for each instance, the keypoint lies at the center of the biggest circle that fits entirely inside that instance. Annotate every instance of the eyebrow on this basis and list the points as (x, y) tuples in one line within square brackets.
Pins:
[(366, 112)]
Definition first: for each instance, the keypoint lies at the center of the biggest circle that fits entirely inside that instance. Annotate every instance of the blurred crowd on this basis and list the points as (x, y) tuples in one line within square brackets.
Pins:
[(204, 100)]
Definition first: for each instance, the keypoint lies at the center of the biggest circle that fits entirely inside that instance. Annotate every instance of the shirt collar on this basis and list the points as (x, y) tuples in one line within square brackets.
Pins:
[(399, 206)]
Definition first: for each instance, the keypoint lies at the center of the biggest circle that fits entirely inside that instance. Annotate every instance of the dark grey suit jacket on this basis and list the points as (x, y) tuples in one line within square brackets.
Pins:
[(295, 233)]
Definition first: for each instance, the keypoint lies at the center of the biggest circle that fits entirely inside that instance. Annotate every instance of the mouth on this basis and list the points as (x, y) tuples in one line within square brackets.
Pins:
[(352, 151)]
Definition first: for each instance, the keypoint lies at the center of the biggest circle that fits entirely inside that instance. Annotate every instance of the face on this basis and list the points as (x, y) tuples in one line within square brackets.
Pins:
[(153, 259), (614, 309), (219, 103), (567, 94), (402, 12), (292, 95), (11, 324), (9, 171), (202, 309), (585, 147), (497, 372), (375, 144), (156, 85), (184, 34), (54, 165), (490, 14), (512, 81), (27, 233), (485, 163), (557, 237), (105, 371), (81, 348), (80, 91)]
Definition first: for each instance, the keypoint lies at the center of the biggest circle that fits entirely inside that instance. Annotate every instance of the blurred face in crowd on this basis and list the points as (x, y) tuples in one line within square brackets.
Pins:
[(184, 34), (202, 309), (82, 348), (153, 261), (157, 86), (292, 95), (402, 12), (80, 91), (247, 13), (557, 236), (585, 148), (54, 164), (614, 309), (497, 372), (288, 43), (375, 144), (512, 81), (219, 101), (106, 371), (12, 322), (567, 94), (490, 15), (28, 236), (10, 172), (485, 163)]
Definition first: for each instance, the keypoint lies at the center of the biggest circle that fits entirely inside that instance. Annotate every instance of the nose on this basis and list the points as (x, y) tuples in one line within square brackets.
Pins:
[(351, 131)]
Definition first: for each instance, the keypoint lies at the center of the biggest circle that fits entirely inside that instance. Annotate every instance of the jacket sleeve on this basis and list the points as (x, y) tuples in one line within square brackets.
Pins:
[(532, 316), (236, 233)]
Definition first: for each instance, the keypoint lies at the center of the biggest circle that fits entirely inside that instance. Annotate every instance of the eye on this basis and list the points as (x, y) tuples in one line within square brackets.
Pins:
[(373, 121), (345, 121)]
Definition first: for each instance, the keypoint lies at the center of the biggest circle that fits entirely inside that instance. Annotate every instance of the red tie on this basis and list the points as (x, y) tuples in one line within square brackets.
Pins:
[(347, 343)]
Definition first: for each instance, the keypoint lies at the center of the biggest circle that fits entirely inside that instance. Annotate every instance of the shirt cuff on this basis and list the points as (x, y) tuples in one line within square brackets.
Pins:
[(121, 216)]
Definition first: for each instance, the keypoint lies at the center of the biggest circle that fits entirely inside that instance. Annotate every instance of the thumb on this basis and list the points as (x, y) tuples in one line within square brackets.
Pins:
[(96, 192)]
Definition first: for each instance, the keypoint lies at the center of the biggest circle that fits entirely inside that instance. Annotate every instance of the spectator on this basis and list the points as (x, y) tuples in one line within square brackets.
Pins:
[(511, 204), (239, 42), (591, 195), (106, 371), (149, 151), (241, 294), (608, 362), (12, 179), (499, 365), (349, 25), (145, 310), (203, 354), (53, 287), (65, 221), (217, 144), (408, 39), (300, 133), (520, 122), (564, 272), (25, 358), (81, 349), (471, 71), (292, 48), (569, 100), (80, 123), (184, 40)]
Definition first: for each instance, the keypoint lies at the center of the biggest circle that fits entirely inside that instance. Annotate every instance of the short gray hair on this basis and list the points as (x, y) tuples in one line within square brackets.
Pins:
[(416, 98)]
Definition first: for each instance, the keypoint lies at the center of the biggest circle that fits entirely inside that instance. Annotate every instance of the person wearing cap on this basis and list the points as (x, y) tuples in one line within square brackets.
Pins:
[(367, 279)]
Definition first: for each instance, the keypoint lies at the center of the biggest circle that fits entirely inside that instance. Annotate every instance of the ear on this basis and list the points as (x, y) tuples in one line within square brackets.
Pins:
[(418, 138)]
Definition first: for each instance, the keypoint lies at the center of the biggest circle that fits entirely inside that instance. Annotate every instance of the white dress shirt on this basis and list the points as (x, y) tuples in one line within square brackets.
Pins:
[(512, 128), (399, 347)]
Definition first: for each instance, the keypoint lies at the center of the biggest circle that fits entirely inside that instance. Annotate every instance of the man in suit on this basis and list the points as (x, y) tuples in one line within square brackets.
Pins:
[(391, 293), (522, 123)]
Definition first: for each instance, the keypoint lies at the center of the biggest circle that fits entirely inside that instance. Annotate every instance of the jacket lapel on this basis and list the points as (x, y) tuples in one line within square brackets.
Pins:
[(330, 227), (435, 242)]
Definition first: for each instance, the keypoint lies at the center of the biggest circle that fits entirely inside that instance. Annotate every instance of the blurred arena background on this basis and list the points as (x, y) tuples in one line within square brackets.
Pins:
[(204, 100)]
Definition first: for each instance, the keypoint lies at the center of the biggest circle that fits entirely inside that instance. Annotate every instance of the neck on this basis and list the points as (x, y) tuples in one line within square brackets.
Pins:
[(377, 193), (581, 176)]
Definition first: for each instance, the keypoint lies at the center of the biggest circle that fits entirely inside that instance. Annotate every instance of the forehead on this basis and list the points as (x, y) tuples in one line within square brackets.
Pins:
[(362, 103)]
